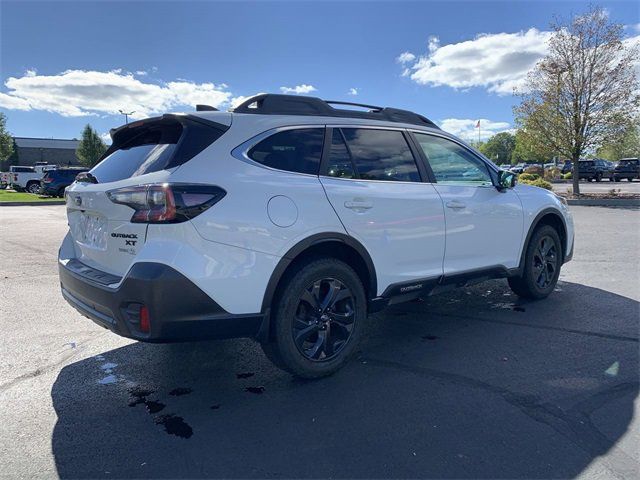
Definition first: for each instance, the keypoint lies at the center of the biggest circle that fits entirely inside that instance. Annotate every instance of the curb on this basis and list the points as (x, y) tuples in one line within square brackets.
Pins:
[(32, 204), (605, 202)]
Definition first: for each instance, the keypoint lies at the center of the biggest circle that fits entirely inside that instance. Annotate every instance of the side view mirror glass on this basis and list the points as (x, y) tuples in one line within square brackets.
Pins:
[(506, 179)]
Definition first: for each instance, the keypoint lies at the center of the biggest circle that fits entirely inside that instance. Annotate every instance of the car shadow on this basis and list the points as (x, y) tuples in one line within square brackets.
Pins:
[(470, 384)]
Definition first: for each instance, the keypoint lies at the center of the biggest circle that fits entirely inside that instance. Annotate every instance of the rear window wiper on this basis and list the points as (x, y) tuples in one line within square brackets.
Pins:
[(86, 177)]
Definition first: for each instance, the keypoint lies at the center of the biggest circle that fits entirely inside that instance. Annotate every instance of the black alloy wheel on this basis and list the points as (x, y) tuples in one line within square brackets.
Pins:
[(545, 262), (324, 319)]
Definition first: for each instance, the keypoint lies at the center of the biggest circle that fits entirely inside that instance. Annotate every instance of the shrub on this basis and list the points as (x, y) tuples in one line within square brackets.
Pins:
[(535, 169), (567, 176), (552, 173), (538, 182), (528, 177)]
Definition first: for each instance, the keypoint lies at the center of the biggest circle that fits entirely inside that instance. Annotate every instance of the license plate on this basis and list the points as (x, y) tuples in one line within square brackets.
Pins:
[(92, 231)]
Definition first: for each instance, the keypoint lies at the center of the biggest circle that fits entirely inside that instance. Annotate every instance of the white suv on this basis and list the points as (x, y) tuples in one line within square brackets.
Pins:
[(289, 220)]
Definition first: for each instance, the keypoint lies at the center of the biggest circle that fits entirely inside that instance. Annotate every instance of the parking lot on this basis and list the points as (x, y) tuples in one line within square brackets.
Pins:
[(469, 384)]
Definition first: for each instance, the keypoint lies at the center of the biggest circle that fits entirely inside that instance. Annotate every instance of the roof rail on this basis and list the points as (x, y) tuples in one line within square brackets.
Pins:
[(276, 104)]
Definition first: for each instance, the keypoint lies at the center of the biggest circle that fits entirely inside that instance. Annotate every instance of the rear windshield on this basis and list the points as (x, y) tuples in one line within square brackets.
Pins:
[(153, 146)]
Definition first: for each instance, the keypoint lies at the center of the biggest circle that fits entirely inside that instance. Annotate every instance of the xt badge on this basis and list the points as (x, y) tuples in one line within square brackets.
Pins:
[(129, 238)]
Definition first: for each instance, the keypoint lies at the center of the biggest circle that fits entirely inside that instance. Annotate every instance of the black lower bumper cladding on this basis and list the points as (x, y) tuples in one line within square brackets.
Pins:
[(178, 309)]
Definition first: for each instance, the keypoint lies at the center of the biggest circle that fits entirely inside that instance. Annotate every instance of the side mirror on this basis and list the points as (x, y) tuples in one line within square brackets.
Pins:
[(506, 180)]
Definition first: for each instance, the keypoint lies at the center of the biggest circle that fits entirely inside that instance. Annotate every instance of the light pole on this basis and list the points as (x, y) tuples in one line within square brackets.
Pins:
[(126, 115)]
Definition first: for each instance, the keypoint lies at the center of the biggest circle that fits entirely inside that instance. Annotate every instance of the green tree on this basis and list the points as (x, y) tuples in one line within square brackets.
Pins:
[(6, 140), (625, 144), (499, 147), (529, 149), (91, 147), (574, 98)]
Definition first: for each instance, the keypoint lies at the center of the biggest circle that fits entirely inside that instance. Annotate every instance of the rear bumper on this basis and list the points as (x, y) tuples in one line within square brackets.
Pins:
[(178, 309)]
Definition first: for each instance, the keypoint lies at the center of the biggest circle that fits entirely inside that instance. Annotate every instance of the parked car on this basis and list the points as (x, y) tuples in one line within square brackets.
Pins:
[(289, 220), (55, 181), (26, 178), (628, 168), (519, 168), (4, 179), (596, 169)]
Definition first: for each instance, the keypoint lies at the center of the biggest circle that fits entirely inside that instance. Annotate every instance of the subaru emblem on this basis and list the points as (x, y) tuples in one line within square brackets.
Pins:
[(78, 201)]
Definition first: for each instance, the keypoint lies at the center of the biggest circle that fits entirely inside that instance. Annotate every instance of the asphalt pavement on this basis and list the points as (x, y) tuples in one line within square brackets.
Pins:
[(470, 384)]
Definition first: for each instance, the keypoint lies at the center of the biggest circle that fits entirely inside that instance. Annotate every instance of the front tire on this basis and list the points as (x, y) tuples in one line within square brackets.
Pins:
[(318, 319), (543, 260)]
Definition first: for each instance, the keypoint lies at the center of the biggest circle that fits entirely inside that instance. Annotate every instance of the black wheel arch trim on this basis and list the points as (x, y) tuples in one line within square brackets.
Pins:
[(534, 225), (300, 248)]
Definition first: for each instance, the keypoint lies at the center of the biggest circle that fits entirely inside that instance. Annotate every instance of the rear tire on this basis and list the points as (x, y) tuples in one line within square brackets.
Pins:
[(542, 263), (598, 177), (317, 319), (33, 187)]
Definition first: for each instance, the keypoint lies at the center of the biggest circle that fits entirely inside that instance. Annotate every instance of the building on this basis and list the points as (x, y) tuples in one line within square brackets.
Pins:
[(51, 150)]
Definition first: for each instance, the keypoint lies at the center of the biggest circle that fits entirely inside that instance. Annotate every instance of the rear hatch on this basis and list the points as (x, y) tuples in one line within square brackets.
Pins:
[(143, 153)]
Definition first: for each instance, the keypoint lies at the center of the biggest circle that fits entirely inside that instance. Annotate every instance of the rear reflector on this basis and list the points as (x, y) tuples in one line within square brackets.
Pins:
[(145, 322)]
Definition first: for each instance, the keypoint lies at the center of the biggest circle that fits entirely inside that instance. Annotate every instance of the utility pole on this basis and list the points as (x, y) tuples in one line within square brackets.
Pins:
[(126, 115)]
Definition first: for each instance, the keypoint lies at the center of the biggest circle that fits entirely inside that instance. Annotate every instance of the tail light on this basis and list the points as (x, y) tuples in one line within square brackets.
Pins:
[(47, 179), (168, 202)]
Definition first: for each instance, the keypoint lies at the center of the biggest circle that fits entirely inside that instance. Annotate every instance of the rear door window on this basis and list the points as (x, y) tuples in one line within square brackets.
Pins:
[(375, 155), (297, 150)]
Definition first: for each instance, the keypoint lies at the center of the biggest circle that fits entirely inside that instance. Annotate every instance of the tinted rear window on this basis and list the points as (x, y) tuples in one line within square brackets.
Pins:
[(154, 146), (22, 169), (296, 150)]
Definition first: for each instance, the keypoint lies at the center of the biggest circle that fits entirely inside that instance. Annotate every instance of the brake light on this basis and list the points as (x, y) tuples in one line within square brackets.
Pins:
[(47, 179), (166, 203)]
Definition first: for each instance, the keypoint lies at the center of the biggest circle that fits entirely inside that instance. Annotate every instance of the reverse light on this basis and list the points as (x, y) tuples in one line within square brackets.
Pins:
[(167, 202)]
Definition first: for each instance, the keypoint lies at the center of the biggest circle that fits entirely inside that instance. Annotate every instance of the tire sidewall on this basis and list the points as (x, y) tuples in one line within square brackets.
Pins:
[(287, 304), (529, 274)]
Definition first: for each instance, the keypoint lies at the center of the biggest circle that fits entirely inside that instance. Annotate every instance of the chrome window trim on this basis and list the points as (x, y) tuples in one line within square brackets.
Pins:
[(241, 152)]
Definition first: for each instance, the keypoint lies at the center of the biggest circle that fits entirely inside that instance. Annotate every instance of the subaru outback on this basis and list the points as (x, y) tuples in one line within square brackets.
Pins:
[(289, 220)]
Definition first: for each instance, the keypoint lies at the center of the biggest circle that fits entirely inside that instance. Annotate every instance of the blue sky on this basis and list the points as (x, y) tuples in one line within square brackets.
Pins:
[(63, 65)]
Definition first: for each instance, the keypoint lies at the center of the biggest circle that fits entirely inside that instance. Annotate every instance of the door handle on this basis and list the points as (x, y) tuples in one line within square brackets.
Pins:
[(456, 205), (358, 205)]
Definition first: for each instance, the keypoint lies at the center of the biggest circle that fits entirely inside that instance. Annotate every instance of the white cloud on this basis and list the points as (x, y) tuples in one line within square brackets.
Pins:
[(80, 92), (13, 103), (106, 138), (141, 73), (465, 128), (353, 91), (433, 44), (405, 57), (298, 89), (498, 62)]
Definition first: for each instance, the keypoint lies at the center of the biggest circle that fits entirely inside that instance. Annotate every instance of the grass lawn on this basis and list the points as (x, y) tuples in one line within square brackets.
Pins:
[(11, 196)]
